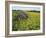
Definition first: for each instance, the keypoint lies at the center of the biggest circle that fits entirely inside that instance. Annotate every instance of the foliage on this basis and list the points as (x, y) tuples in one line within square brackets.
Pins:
[(31, 23)]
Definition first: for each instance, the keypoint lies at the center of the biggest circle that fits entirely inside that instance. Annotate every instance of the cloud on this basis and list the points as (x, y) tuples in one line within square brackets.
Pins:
[(25, 8)]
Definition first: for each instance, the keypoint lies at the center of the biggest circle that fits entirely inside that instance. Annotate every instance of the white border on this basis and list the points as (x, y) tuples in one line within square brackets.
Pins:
[(24, 32)]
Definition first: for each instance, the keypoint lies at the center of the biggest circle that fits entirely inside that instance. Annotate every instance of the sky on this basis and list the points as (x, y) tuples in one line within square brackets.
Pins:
[(25, 8)]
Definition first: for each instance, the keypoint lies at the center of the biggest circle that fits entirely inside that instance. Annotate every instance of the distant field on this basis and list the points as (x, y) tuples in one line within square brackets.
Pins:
[(31, 23)]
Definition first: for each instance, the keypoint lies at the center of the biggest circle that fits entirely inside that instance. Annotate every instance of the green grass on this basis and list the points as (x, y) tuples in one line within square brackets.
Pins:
[(31, 23)]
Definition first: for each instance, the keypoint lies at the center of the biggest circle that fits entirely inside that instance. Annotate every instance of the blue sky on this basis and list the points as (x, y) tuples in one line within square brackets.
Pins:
[(25, 8)]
